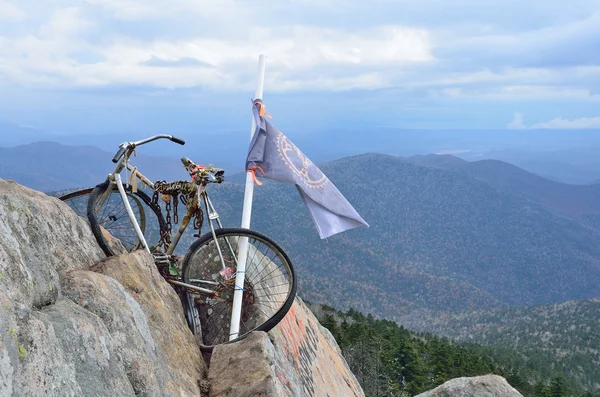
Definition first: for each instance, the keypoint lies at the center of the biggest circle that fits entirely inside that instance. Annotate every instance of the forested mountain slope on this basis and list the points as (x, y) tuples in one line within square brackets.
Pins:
[(439, 239), (568, 332), (388, 359)]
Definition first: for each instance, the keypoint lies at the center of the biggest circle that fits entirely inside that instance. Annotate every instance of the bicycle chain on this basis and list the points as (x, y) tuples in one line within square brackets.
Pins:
[(176, 202), (171, 194), (167, 199)]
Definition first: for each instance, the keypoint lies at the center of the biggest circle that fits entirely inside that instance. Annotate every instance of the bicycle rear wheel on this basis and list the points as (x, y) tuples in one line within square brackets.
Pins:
[(78, 200), (269, 289), (112, 216)]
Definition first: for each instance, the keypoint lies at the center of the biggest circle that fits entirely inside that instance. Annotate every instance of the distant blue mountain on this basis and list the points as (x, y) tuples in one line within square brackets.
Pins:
[(571, 156), (13, 135), (50, 166)]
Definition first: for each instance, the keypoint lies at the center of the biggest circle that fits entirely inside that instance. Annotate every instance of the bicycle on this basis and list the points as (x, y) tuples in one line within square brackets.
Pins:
[(205, 281)]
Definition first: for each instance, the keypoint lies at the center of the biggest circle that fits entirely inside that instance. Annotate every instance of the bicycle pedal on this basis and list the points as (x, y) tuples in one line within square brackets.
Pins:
[(160, 259)]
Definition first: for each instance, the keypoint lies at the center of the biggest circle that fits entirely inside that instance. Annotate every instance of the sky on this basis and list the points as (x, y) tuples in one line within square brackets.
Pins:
[(95, 66)]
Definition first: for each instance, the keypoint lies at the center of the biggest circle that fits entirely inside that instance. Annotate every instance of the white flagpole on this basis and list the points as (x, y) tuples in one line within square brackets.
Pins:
[(236, 312)]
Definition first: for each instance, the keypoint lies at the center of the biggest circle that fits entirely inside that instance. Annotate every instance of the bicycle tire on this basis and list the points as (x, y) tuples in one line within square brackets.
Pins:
[(97, 224), (267, 319), (78, 202), (78, 206), (192, 317)]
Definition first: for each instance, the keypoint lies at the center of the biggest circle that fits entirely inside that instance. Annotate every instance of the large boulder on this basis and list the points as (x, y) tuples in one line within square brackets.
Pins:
[(170, 344), (299, 358), (73, 324), (39, 237), (479, 386)]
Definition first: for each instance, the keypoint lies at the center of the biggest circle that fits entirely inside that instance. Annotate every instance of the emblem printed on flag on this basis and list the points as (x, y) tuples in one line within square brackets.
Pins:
[(299, 164), (280, 160)]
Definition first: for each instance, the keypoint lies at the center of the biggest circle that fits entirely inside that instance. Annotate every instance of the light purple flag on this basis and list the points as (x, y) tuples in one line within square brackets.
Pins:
[(282, 161)]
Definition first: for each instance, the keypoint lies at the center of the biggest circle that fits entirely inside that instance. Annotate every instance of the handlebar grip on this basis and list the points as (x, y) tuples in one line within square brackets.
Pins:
[(177, 140), (119, 154)]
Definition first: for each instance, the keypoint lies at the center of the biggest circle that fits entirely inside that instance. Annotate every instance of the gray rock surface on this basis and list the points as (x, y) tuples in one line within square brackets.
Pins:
[(39, 237), (116, 330), (479, 386), (73, 323), (252, 357), (297, 358), (158, 311)]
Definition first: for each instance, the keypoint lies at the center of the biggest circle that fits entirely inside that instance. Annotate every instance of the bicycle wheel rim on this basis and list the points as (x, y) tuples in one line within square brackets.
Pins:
[(78, 200), (112, 217), (269, 289)]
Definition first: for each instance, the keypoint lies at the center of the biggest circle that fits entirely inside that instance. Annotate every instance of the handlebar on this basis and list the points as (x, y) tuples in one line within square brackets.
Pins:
[(132, 145)]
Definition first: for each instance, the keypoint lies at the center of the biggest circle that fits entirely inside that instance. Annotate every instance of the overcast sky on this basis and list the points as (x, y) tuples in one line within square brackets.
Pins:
[(97, 65)]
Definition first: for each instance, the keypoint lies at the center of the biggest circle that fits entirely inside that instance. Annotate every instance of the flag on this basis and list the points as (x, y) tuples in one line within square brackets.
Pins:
[(275, 157)]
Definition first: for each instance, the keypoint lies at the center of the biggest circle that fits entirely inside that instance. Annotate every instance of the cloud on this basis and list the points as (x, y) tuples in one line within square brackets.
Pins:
[(367, 81), (560, 123), (317, 54), (10, 12), (516, 123), (566, 44), (497, 51), (175, 63), (556, 123), (66, 23), (158, 9)]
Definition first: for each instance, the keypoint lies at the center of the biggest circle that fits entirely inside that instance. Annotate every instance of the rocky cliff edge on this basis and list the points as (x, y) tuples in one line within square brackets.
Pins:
[(73, 323)]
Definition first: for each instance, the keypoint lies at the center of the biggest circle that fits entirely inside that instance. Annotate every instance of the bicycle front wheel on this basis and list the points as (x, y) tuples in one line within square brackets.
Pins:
[(111, 215), (269, 288)]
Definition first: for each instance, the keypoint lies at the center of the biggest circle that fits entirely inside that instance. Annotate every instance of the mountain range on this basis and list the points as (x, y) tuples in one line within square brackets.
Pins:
[(571, 156), (579, 165), (479, 251), (446, 234), (50, 166), (440, 238), (581, 202)]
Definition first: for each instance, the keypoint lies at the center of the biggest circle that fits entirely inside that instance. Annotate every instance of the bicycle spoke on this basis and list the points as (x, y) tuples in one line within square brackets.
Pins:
[(274, 270), (122, 211), (106, 206), (273, 293), (76, 209), (268, 290)]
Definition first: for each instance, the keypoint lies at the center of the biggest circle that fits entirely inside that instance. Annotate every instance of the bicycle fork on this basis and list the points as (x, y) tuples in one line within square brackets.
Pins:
[(129, 210), (234, 325)]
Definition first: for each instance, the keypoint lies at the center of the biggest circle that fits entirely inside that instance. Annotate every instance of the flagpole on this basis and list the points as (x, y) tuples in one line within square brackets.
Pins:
[(236, 312)]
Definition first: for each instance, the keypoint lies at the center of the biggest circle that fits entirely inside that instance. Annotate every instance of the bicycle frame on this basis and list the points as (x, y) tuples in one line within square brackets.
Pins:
[(194, 195), (212, 215)]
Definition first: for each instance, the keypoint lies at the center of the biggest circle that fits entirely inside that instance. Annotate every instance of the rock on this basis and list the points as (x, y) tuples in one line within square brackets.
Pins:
[(252, 357), (479, 386), (60, 350), (177, 352), (299, 357), (68, 331), (127, 324), (39, 237), (73, 323), (70, 352)]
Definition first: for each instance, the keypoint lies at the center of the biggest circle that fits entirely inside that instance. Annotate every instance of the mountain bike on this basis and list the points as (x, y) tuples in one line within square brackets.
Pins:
[(205, 278)]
